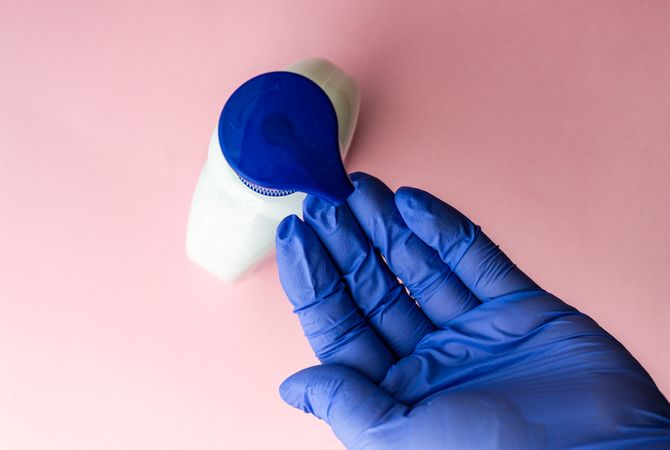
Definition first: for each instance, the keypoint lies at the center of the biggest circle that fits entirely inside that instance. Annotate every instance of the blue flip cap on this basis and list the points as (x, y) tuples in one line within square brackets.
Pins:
[(279, 131)]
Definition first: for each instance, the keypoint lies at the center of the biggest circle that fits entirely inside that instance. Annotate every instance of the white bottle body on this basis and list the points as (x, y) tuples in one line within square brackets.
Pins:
[(232, 228)]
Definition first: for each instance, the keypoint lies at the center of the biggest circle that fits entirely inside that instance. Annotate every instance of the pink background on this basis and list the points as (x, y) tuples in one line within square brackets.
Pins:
[(548, 122)]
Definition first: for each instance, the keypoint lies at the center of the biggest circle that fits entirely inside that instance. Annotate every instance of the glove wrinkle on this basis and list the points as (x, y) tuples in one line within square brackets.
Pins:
[(329, 350)]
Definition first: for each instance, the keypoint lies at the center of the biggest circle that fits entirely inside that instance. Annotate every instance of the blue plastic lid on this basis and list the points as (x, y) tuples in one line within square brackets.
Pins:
[(278, 131)]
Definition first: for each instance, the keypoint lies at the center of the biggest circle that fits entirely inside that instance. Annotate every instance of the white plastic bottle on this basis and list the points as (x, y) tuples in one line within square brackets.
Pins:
[(232, 228)]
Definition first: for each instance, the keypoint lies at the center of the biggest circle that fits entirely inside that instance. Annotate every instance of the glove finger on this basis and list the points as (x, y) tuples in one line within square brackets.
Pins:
[(477, 261), (441, 295), (333, 326), (345, 399), (382, 300)]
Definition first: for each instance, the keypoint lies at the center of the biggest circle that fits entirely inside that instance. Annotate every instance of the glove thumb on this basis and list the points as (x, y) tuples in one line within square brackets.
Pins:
[(348, 401)]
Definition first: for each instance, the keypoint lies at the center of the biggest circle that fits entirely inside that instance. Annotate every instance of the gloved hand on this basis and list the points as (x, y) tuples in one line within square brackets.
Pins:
[(468, 352)]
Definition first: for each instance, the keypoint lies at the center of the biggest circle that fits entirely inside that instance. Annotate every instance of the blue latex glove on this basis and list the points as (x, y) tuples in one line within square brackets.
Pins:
[(475, 356)]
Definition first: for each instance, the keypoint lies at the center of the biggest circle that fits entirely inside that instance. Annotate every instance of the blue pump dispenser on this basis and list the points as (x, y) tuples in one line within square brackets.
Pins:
[(278, 131)]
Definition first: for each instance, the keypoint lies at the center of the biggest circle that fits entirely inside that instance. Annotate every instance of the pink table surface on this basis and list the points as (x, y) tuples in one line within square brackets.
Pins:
[(548, 122)]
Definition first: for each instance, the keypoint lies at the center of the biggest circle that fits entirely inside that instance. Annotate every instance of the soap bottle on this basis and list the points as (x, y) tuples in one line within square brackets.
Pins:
[(232, 222)]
